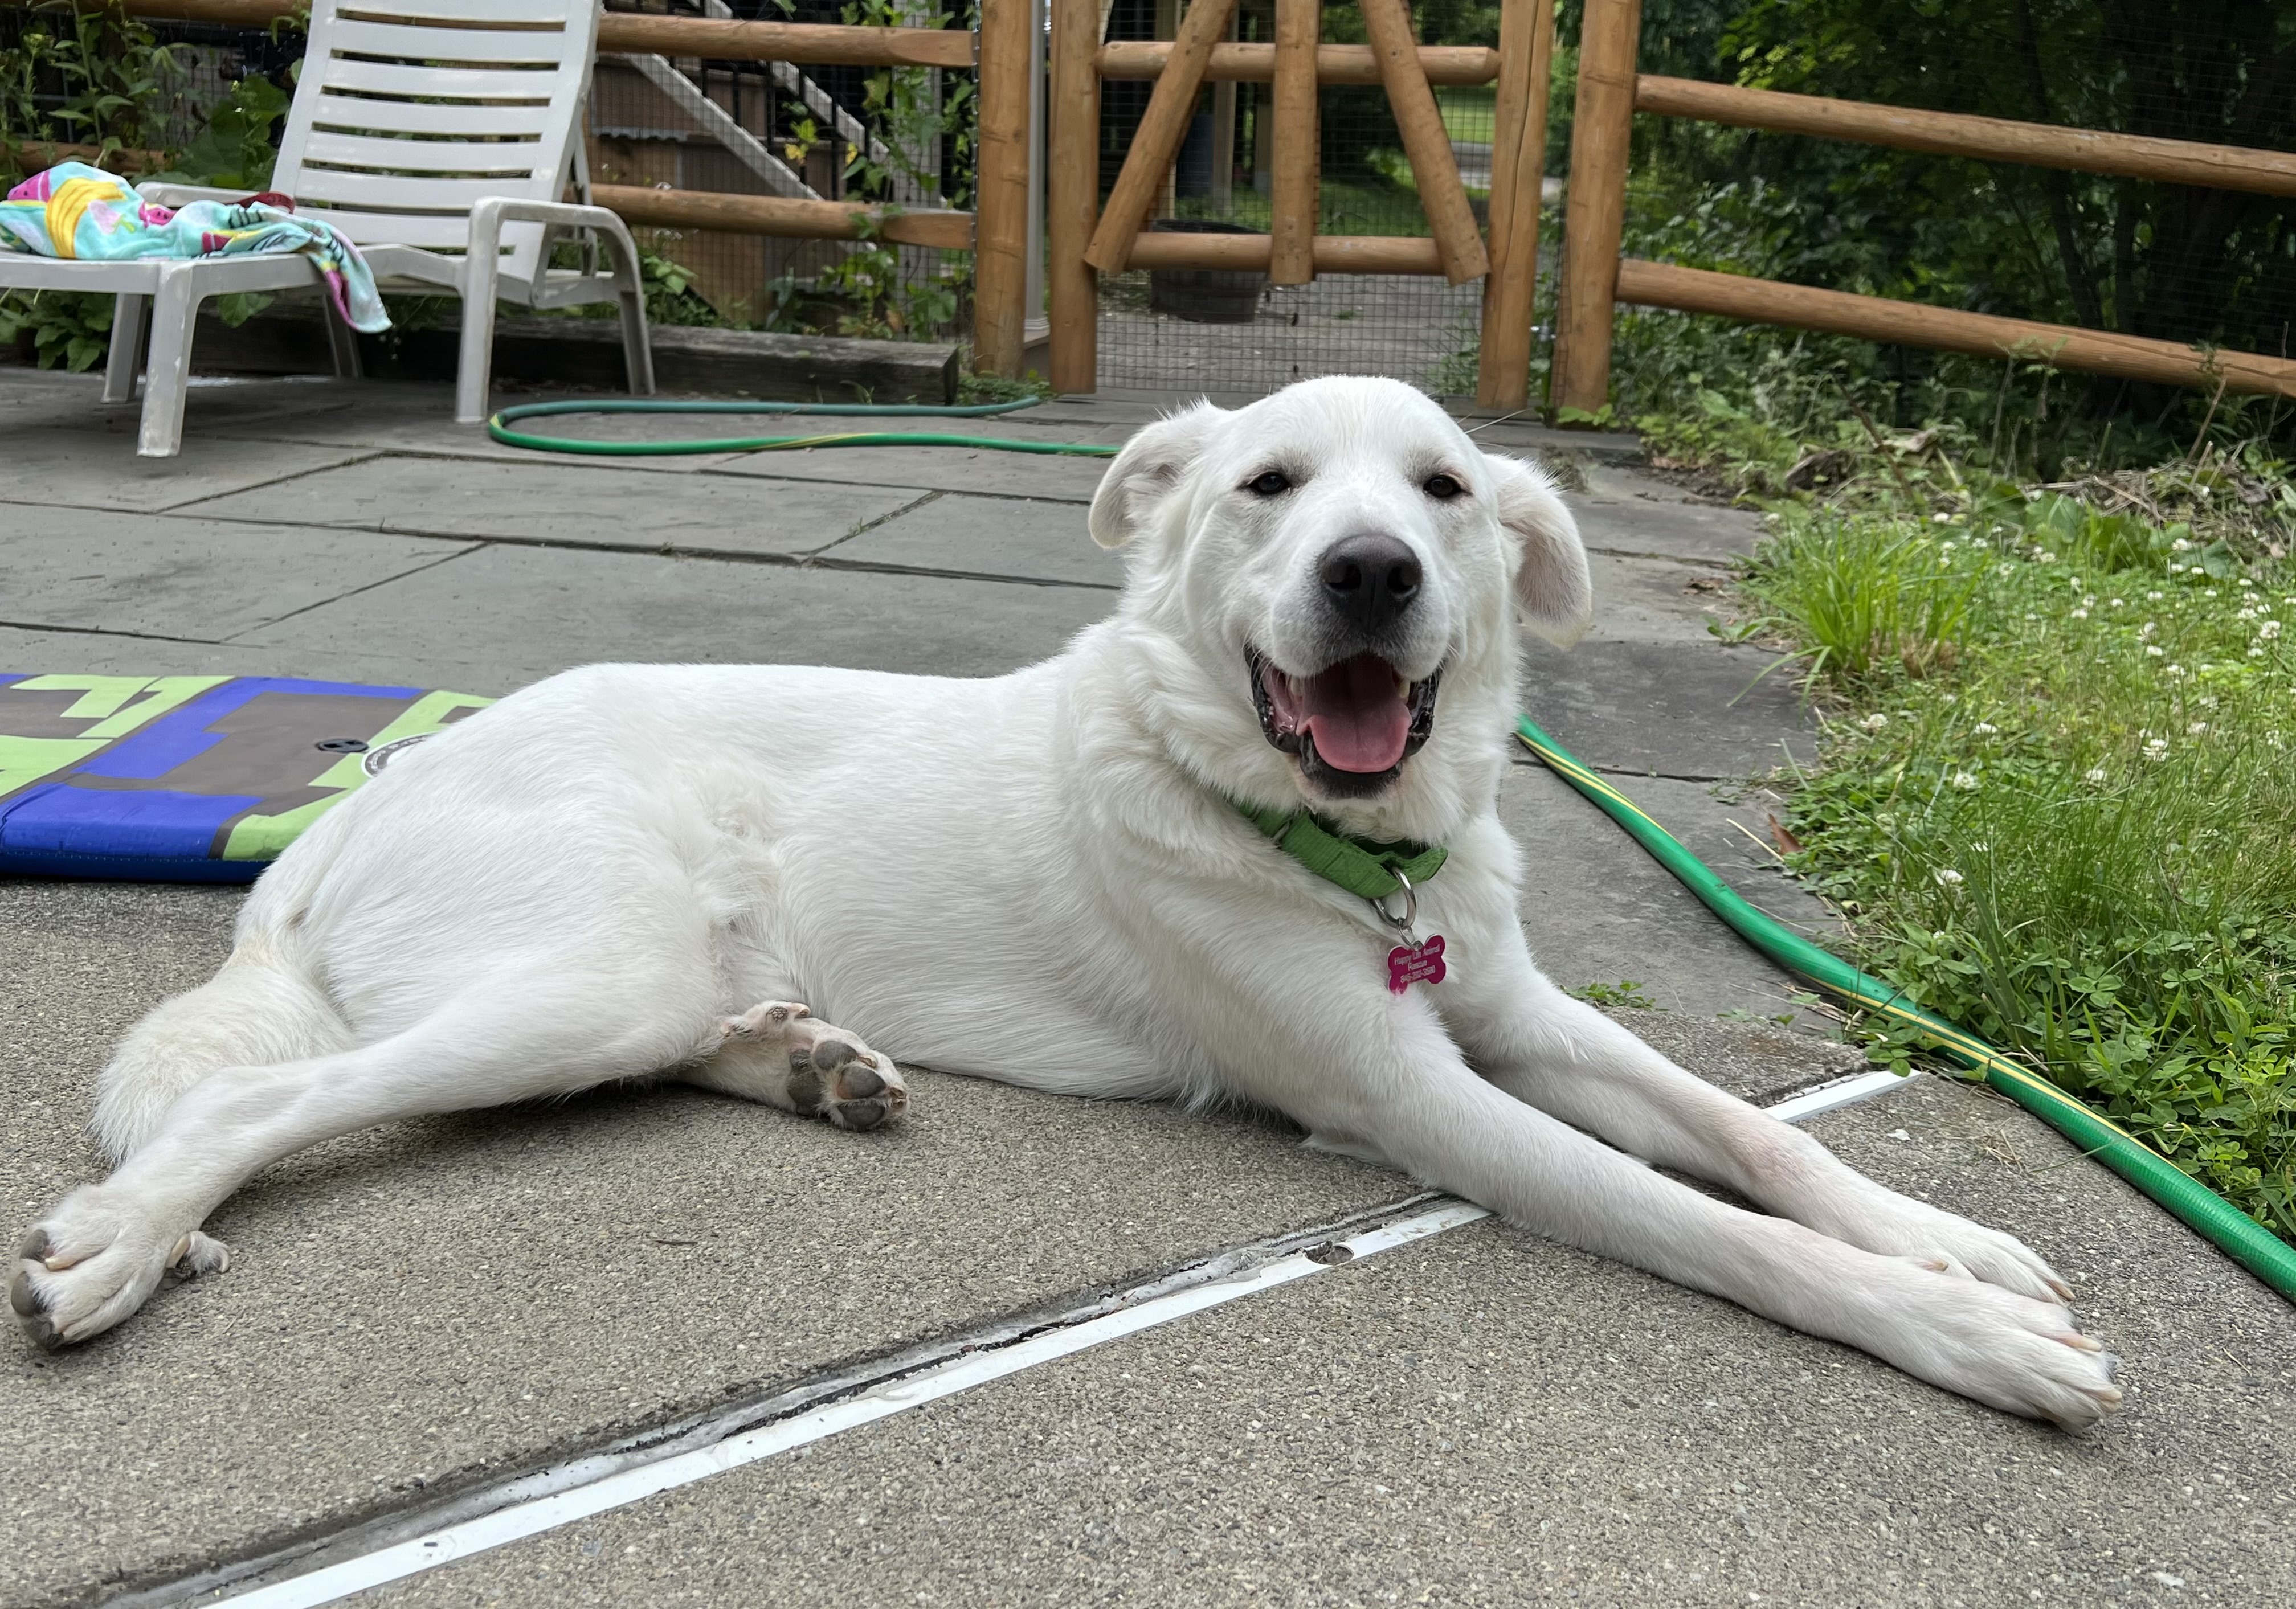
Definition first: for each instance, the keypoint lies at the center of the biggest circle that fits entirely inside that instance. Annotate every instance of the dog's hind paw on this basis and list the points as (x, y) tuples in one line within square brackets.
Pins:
[(829, 1072), (92, 1261)]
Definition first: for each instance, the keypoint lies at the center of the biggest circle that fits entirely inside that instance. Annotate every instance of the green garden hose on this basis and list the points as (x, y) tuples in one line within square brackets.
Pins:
[(498, 427), (2238, 1236), (2234, 1232)]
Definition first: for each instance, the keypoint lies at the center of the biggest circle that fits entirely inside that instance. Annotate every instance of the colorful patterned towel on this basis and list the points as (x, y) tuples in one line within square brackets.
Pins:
[(73, 211)]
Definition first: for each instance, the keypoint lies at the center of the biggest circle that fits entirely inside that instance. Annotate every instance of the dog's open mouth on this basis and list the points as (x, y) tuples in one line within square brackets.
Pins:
[(1352, 725)]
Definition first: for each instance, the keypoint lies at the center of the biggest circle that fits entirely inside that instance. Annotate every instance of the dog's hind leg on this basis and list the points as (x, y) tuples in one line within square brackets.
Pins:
[(782, 1055), (544, 1030)]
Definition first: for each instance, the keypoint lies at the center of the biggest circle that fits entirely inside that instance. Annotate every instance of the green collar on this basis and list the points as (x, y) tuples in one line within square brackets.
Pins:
[(1362, 866)]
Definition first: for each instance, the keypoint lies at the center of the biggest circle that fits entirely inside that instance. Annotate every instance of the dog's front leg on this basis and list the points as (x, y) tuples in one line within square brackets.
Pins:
[(1562, 1055), (1386, 1076)]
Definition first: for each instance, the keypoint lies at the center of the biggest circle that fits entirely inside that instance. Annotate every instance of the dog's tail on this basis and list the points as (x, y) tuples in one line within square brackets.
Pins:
[(264, 1005)]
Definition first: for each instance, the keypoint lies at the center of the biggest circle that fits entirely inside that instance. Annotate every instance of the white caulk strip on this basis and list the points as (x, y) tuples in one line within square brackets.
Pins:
[(517, 1521), (1841, 1092), (897, 1396)]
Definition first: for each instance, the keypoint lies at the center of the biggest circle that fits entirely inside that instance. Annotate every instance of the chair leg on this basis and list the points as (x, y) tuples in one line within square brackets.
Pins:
[(342, 341), (474, 368), (637, 344), (131, 316), (173, 306)]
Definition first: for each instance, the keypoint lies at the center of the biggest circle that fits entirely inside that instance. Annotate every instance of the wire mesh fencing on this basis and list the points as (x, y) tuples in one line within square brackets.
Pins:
[(1233, 331)]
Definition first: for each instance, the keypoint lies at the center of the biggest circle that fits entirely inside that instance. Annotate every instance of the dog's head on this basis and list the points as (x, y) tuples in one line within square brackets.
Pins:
[(1331, 573)]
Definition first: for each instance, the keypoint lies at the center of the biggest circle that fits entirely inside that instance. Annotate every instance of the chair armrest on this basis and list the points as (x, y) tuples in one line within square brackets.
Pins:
[(566, 215), (165, 194)]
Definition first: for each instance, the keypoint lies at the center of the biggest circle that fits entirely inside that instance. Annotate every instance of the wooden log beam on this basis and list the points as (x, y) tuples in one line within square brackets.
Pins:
[(1135, 61), (830, 44), (1947, 330), (1072, 194), (1000, 232), (779, 216), (1157, 141), (1298, 143), (1595, 213), (1333, 253), (1518, 176), (1426, 141), (633, 33), (1987, 139)]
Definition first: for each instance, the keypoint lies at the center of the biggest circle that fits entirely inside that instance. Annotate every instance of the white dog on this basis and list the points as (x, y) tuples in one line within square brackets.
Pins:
[(600, 877)]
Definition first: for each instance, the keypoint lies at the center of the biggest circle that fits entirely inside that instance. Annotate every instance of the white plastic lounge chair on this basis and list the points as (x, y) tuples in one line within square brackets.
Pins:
[(438, 134)]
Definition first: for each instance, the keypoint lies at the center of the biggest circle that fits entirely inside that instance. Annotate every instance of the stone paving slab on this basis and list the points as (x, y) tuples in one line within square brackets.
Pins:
[(1599, 911), (103, 570), (1488, 1419), (1621, 511), (990, 536), (1045, 476), (1679, 708), (513, 615), (86, 468), (442, 1301), (569, 501), (1650, 599)]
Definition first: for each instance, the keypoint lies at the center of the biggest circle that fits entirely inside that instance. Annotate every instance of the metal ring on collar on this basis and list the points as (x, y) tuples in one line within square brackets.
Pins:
[(1410, 916)]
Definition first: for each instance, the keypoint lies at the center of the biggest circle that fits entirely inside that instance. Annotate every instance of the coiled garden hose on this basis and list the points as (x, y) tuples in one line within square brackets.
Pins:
[(498, 427), (2225, 1226)]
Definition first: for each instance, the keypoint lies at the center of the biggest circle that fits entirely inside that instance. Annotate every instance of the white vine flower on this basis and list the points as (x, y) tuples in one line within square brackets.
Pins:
[(1964, 781), (1946, 876)]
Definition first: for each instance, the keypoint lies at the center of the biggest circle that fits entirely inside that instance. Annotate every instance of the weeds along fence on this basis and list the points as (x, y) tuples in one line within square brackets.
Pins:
[(788, 135), (1594, 278)]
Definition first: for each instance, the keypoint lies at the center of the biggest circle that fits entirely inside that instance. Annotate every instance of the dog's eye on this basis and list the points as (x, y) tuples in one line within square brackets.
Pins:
[(1441, 487), (1268, 482)]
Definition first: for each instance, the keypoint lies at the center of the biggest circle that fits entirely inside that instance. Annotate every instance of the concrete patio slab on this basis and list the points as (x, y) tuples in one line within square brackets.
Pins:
[(567, 501), (442, 1301), (205, 580), (510, 614), (986, 536), (1488, 1419)]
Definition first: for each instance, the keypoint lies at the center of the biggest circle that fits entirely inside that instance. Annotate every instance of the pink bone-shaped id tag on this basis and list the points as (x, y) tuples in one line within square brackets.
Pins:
[(1409, 964)]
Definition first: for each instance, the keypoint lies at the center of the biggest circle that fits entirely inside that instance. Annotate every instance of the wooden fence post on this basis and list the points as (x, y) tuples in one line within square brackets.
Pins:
[(1000, 235), (1594, 217), (1072, 194), (1296, 146), (1518, 174)]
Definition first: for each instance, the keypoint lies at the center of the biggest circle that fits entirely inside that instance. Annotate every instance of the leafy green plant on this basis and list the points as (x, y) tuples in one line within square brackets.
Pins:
[(1626, 994), (68, 327), (235, 149), (2070, 835), (95, 77)]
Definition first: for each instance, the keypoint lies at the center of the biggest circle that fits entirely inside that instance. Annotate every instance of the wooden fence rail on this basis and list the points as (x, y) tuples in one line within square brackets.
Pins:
[(1444, 64), (1595, 279)]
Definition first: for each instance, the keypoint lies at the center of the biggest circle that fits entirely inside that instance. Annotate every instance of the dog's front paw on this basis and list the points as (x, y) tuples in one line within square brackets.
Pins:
[(1982, 1341), (1892, 1225), (831, 1073), (92, 1261)]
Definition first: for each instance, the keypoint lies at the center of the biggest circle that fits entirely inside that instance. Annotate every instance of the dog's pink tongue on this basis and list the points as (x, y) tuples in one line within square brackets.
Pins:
[(1357, 718)]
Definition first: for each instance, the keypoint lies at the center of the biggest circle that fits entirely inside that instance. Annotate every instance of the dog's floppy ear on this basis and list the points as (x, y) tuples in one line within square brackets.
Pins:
[(1152, 464), (1552, 587)]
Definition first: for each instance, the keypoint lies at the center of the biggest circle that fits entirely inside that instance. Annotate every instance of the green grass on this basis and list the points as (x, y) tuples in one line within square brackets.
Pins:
[(2054, 790), (1470, 111), (1346, 206)]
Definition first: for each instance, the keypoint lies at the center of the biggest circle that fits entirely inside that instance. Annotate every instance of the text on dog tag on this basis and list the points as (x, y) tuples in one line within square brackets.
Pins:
[(1409, 964)]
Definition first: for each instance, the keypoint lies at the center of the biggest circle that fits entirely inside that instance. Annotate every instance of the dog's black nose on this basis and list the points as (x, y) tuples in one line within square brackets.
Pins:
[(1371, 579)]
